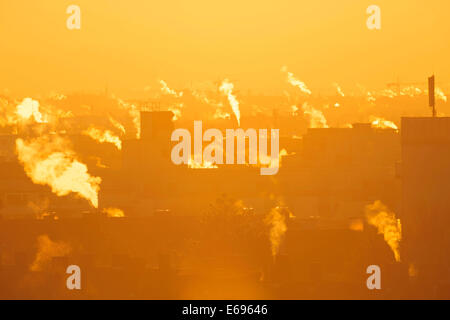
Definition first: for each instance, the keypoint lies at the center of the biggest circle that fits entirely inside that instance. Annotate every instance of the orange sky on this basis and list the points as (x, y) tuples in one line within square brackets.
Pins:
[(130, 44)]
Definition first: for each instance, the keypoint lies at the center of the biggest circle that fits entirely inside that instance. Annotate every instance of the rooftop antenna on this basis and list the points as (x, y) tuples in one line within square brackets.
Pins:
[(431, 95)]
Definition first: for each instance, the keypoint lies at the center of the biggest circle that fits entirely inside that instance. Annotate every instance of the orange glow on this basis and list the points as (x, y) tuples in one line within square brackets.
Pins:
[(30, 108), (227, 89), (104, 136), (295, 82), (316, 117), (48, 249), (387, 224), (48, 161), (114, 212), (224, 149), (381, 123), (276, 219)]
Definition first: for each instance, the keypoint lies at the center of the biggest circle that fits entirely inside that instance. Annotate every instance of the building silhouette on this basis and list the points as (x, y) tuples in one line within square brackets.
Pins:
[(425, 173)]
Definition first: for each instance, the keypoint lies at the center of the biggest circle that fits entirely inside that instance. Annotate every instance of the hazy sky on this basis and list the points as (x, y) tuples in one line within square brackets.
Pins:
[(129, 44)]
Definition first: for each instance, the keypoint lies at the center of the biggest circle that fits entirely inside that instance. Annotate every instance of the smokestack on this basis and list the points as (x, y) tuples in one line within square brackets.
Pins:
[(431, 95)]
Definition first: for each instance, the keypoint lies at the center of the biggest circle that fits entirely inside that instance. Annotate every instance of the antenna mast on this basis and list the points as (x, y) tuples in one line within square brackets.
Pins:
[(431, 96)]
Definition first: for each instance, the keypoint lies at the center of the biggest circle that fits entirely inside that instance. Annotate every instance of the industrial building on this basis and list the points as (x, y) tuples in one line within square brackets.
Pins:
[(425, 174)]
